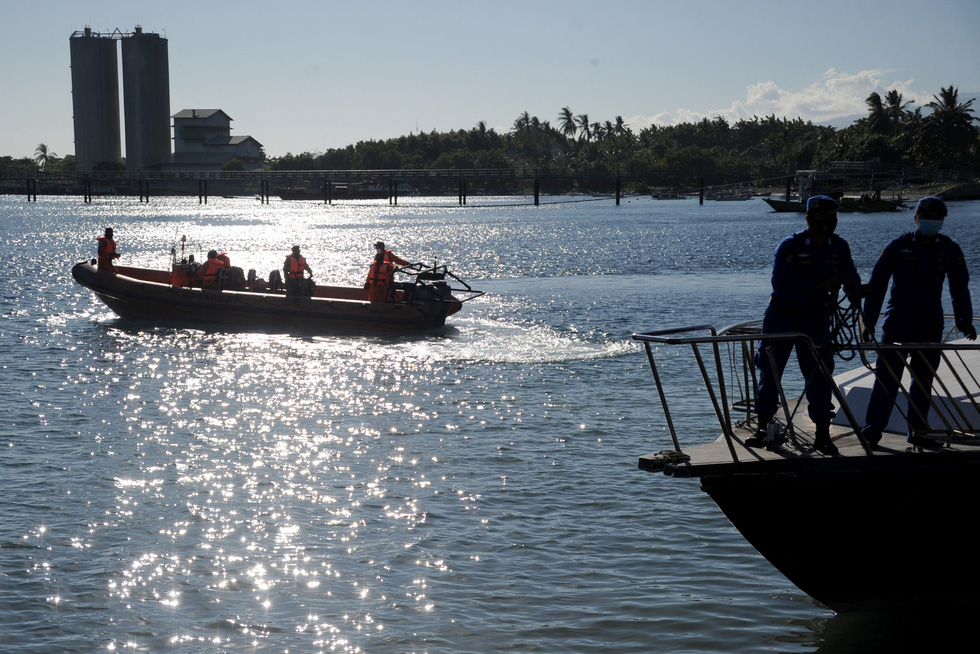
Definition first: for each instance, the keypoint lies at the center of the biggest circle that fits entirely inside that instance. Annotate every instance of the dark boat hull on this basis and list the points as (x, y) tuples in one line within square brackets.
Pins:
[(860, 526), (795, 206), (139, 299), (878, 533)]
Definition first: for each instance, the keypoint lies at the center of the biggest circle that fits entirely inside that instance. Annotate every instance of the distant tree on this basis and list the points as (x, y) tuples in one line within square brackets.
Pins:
[(41, 155), (895, 108), (584, 129), (566, 122), (949, 131), (877, 122), (233, 164)]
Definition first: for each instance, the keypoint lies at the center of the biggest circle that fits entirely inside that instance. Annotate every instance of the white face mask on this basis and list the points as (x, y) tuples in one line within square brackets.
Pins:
[(929, 227)]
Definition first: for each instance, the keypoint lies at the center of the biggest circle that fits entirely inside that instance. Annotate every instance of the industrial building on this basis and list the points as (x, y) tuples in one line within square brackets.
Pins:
[(95, 100), (146, 100), (203, 141), (202, 137)]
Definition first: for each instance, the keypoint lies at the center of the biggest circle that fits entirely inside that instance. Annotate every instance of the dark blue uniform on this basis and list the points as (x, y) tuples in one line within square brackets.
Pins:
[(801, 303), (917, 267)]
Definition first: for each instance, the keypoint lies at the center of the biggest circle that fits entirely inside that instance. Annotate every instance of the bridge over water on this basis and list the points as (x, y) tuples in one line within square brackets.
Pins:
[(339, 185)]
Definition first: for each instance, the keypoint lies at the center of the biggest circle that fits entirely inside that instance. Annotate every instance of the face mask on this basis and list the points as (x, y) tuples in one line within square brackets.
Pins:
[(824, 226), (929, 227)]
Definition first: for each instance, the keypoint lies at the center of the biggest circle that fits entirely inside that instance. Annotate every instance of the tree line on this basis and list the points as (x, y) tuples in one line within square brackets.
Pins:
[(946, 136)]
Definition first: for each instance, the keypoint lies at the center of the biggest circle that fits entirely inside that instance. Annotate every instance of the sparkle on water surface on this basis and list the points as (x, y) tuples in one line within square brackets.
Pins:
[(469, 489)]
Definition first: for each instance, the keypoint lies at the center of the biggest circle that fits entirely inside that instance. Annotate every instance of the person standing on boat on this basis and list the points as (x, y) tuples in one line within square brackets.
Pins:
[(293, 270), (379, 280), (917, 263), (107, 251), (808, 269), (211, 270)]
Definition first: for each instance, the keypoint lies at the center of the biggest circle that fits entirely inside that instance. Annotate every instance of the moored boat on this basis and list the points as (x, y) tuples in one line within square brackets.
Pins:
[(847, 205), (873, 527), (162, 296), (728, 195)]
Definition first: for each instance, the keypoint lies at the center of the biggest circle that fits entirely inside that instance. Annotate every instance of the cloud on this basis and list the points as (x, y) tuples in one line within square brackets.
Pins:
[(834, 95)]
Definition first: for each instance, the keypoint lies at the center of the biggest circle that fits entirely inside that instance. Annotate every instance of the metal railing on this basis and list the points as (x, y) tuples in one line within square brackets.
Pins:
[(725, 361)]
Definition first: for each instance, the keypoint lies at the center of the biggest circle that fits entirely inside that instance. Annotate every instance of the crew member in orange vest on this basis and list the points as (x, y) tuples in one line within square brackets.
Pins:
[(293, 270), (107, 251), (210, 270), (378, 284)]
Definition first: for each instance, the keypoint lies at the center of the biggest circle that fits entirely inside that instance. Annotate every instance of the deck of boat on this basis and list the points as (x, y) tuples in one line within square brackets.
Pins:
[(716, 458), (954, 423)]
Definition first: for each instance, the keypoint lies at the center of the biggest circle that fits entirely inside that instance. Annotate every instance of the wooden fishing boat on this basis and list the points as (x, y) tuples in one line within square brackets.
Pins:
[(165, 296), (873, 527), (728, 195), (847, 205)]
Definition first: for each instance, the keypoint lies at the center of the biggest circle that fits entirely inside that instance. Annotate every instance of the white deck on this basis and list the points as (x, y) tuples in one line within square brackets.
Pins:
[(856, 386)]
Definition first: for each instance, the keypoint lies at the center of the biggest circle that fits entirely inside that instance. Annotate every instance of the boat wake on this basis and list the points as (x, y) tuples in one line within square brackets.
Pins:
[(482, 339)]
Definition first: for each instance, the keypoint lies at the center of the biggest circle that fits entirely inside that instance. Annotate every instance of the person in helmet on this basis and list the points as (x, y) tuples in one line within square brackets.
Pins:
[(808, 269), (917, 263)]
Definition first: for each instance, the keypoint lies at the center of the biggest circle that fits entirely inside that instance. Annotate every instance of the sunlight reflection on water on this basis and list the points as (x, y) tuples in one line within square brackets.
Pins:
[(474, 488)]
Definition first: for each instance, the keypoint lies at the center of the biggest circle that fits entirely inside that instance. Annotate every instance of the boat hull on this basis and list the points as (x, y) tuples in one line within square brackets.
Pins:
[(134, 298), (886, 532), (795, 206)]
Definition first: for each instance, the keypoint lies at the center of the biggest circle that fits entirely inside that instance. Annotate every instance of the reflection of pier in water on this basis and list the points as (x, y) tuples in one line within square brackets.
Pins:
[(327, 186)]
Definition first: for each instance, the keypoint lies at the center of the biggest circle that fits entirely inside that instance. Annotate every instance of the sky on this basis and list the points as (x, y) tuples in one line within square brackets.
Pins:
[(307, 76)]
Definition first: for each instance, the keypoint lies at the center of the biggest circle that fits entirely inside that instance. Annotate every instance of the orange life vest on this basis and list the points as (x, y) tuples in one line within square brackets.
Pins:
[(381, 275), (210, 271), (107, 252), (297, 264), (107, 247)]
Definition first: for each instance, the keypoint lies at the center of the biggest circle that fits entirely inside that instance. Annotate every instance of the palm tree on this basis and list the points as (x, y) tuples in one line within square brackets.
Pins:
[(521, 124), (877, 120), (583, 126), (895, 107), (947, 108), (42, 156), (949, 133), (566, 121)]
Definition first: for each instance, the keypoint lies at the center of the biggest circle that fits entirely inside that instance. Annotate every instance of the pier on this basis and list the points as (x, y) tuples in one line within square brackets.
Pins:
[(331, 186)]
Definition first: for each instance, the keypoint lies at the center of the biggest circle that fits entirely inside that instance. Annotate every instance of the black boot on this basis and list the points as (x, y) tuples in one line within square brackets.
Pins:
[(821, 439), (757, 439)]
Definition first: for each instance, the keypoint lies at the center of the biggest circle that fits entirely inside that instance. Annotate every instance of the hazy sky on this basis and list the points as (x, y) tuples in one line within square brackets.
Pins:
[(304, 75)]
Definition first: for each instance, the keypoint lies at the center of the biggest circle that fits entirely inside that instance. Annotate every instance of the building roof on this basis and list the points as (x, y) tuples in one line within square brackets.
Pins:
[(231, 140), (199, 113)]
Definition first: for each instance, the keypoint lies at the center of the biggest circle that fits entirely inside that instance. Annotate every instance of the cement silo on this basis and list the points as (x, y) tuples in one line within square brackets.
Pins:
[(146, 100), (95, 99)]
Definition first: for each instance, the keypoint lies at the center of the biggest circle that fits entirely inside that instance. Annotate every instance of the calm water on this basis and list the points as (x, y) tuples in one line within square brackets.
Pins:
[(471, 490)]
